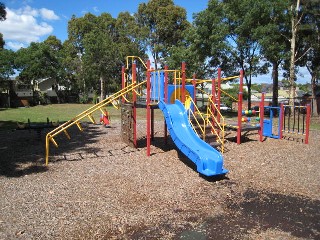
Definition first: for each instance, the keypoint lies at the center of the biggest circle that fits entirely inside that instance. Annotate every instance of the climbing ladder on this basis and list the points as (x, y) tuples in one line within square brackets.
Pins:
[(87, 113)]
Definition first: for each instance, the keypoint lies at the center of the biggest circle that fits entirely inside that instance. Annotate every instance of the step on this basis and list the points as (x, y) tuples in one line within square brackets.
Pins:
[(211, 136), (215, 144)]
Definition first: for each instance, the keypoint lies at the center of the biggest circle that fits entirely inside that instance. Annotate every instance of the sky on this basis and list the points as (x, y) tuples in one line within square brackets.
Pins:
[(34, 20)]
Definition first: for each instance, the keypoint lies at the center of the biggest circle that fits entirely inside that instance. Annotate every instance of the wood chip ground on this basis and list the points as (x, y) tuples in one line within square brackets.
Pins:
[(96, 187)]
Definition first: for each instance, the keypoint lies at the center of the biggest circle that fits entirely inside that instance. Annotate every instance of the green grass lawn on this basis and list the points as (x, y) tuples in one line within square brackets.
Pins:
[(56, 112), (64, 112)]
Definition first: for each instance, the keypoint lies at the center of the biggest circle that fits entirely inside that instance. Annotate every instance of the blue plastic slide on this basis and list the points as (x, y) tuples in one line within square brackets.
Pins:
[(208, 160)]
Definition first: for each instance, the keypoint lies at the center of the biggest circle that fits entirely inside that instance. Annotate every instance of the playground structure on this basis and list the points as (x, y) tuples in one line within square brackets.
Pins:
[(198, 135), (243, 125), (283, 120), (170, 97)]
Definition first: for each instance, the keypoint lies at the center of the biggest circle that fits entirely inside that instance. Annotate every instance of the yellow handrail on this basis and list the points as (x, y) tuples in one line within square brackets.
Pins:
[(86, 113), (220, 124), (229, 95), (135, 57), (196, 112), (207, 122)]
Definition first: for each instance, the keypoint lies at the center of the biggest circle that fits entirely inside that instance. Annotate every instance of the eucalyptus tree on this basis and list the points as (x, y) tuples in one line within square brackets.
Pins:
[(274, 39), (77, 29), (161, 25), (309, 46), (3, 14), (99, 45), (7, 65), (295, 13), (227, 37)]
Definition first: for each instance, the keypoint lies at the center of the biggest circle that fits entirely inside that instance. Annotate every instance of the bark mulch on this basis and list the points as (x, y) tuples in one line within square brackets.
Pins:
[(96, 187)]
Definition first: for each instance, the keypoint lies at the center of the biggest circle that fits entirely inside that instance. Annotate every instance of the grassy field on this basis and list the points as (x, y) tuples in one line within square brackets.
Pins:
[(64, 112), (56, 112)]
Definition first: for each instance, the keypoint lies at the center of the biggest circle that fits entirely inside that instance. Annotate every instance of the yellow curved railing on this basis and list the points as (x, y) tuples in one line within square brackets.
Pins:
[(87, 113), (217, 128), (220, 125), (132, 60)]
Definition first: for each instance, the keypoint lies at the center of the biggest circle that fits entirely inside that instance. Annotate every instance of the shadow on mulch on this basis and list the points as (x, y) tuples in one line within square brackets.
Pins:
[(22, 152), (258, 212), (160, 143)]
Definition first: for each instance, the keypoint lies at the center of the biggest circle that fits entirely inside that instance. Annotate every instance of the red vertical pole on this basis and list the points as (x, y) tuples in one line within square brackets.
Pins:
[(281, 120), (213, 91), (239, 117), (183, 96), (306, 139), (166, 101), (194, 83), (219, 93), (240, 107), (261, 117), (123, 82), (241, 81), (134, 99), (148, 107)]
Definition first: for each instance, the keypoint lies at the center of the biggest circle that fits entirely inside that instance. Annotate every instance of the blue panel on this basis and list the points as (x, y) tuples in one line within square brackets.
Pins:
[(157, 86), (268, 123), (208, 160), (172, 88), (267, 128)]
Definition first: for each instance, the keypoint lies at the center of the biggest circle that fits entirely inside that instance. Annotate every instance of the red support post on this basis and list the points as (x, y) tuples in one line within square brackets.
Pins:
[(239, 117), (134, 100), (183, 92), (261, 116), (194, 83), (241, 81), (123, 82), (219, 93), (148, 108), (306, 139), (213, 91)]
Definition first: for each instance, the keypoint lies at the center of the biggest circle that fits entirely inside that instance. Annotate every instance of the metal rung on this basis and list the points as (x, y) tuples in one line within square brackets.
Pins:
[(91, 119), (79, 126), (67, 134), (101, 111), (53, 141)]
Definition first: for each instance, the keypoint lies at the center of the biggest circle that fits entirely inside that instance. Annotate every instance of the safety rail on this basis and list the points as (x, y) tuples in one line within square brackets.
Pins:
[(194, 114), (220, 124), (88, 113), (299, 125), (206, 120), (133, 58)]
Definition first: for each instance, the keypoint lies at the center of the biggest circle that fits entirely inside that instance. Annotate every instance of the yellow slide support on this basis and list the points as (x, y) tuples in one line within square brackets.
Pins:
[(87, 113)]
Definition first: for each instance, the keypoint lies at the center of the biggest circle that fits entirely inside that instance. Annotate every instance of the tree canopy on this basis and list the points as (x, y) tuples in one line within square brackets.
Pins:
[(248, 35), (3, 14)]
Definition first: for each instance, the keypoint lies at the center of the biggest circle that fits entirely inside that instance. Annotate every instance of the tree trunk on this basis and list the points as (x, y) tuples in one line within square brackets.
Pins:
[(275, 80), (314, 105), (248, 83), (294, 29), (249, 95), (56, 89), (102, 86)]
